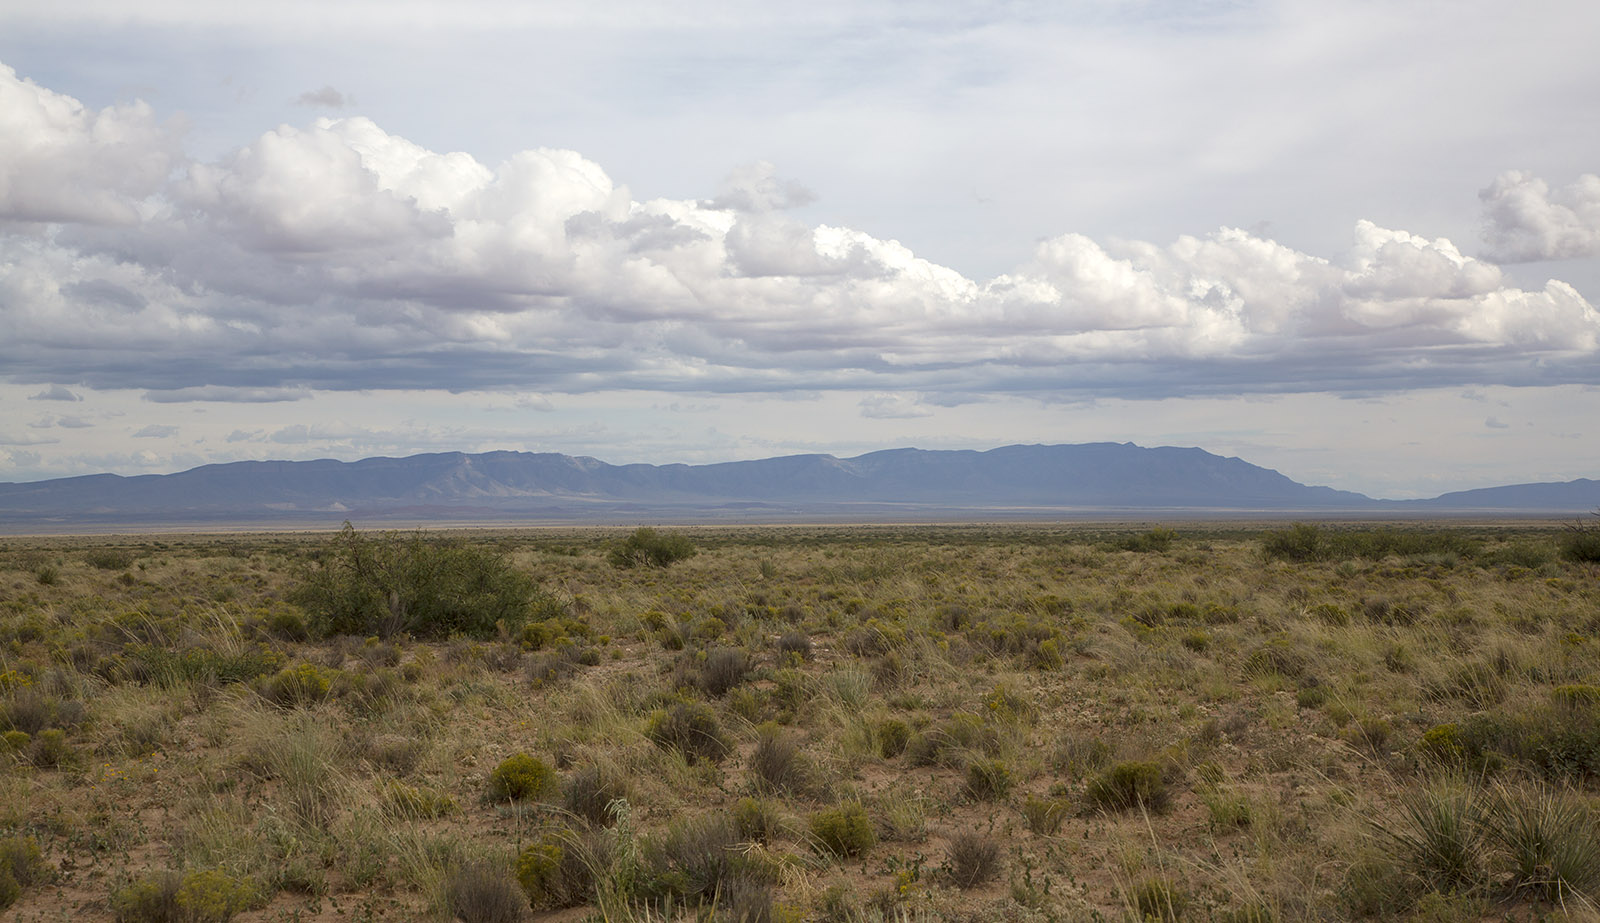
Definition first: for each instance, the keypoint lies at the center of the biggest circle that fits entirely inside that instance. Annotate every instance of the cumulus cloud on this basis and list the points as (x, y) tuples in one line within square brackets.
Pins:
[(55, 393), (1527, 220), (340, 256), (60, 161)]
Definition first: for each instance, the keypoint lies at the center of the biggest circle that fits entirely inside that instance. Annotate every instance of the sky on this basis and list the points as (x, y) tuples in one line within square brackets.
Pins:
[(1357, 242)]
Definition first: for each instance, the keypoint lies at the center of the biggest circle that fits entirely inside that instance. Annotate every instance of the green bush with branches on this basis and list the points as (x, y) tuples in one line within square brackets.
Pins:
[(415, 584), (650, 548)]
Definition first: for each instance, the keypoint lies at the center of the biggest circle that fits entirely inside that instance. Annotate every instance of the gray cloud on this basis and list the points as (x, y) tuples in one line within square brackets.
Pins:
[(55, 393), (156, 431), (325, 98), (1527, 220), (226, 394), (339, 256), (1495, 423)]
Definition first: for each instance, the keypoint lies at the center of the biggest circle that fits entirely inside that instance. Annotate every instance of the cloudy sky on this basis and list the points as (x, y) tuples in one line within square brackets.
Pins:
[(1357, 242)]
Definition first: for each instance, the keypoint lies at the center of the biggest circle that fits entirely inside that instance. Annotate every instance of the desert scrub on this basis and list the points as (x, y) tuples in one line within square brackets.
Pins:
[(647, 547), (590, 792), (481, 893), (892, 735), (202, 896), (971, 860), (1129, 785), (756, 819), (521, 777), (779, 766), (416, 584), (1158, 901), (558, 870), (415, 803), (297, 686), (20, 866), (690, 728), (1044, 815), (845, 830), (988, 779)]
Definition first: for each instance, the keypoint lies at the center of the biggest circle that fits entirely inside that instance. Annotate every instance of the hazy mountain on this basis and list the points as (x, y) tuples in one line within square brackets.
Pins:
[(1009, 481)]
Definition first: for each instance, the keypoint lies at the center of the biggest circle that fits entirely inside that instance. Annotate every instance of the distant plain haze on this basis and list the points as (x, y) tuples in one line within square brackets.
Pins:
[(1358, 243)]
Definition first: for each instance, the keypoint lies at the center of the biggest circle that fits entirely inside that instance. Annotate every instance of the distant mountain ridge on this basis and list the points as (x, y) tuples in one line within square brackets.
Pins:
[(524, 486)]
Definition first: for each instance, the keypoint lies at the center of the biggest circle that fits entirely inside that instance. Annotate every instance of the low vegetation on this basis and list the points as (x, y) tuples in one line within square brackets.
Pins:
[(1309, 722)]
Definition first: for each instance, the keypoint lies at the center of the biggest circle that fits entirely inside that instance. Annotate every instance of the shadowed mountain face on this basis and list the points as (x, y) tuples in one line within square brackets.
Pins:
[(547, 486)]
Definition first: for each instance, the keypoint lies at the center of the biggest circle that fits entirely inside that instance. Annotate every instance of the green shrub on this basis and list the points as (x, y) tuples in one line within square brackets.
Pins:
[(723, 669), (1158, 901), (1044, 815), (558, 870), (20, 858), (296, 687), (892, 735), (10, 890), (988, 779), (428, 587), (845, 830), (204, 896), (1300, 542), (1437, 836), (108, 559), (647, 547), (1582, 541), (1129, 785), (521, 777), (698, 859), (50, 750), (691, 728), (756, 820), (413, 803)]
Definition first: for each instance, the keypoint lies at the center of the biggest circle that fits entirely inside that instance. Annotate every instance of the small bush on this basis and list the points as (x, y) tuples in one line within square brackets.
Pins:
[(892, 735), (691, 728), (1437, 836), (108, 559), (756, 820), (845, 830), (589, 793), (50, 750), (1548, 837), (795, 643), (1044, 815), (297, 686), (521, 777), (696, 860), (1581, 542), (204, 896), (558, 870), (647, 547), (988, 779), (415, 803), (480, 893), (779, 765), (20, 858), (1159, 901), (1129, 785), (724, 668), (972, 860)]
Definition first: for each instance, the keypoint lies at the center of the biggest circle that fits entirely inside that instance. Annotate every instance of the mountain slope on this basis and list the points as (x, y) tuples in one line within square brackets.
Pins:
[(533, 486)]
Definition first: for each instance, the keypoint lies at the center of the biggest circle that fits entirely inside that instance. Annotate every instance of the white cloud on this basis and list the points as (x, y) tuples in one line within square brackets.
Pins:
[(1526, 220), (60, 161), (341, 257)]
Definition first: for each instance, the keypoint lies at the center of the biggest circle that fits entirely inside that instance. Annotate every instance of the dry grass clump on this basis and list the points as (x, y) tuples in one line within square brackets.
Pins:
[(972, 860)]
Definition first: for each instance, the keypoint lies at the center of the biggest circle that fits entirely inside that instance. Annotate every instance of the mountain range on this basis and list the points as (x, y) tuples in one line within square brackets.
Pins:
[(1018, 481)]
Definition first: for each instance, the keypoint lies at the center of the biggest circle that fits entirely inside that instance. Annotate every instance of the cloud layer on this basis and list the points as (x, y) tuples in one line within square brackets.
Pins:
[(1527, 220), (339, 256)]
